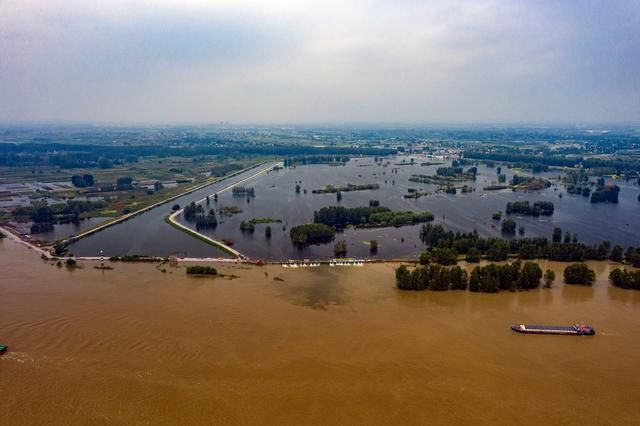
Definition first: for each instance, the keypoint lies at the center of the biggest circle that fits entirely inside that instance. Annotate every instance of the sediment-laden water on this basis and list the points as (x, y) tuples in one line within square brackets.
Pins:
[(326, 345)]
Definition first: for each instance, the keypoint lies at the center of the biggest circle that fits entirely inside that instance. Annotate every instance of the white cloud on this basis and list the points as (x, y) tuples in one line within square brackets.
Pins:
[(371, 60)]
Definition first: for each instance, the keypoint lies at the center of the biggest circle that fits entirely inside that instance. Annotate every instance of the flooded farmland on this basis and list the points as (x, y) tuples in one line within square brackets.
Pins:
[(275, 198)]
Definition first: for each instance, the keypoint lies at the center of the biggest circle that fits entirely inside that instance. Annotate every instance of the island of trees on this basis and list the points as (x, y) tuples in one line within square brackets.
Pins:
[(368, 217), (538, 208), (201, 270), (605, 194), (329, 189), (329, 220)]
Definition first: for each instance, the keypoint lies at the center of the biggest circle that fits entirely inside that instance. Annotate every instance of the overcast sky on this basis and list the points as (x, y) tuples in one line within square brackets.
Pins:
[(168, 61)]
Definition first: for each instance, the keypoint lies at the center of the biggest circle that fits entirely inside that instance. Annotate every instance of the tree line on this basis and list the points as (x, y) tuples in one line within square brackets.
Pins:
[(566, 249), (493, 278), (488, 279), (538, 208)]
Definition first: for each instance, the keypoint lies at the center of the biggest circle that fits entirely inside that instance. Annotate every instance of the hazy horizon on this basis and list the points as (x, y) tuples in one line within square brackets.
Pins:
[(407, 63)]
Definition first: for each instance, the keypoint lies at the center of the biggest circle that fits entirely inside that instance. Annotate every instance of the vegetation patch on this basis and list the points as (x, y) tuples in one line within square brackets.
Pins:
[(201, 270), (329, 189)]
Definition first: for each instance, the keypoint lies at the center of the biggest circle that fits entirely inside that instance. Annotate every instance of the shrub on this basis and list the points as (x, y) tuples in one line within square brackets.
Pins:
[(445, 256), (580, 274), (549, 276), (201, 270)]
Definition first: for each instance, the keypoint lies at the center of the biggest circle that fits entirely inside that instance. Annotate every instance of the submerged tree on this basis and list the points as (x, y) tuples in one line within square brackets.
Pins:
[(579, 273), (549, 276), (340, 249)]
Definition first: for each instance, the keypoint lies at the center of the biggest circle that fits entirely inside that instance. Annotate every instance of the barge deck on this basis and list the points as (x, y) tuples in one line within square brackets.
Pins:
[(575, 330)]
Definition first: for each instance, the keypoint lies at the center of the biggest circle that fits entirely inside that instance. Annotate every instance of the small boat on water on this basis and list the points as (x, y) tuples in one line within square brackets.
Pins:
[(575, 330), (3, 348)]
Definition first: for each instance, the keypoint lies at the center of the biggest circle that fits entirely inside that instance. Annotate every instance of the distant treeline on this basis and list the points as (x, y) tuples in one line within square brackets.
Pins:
[(555, 160), (87, 156)]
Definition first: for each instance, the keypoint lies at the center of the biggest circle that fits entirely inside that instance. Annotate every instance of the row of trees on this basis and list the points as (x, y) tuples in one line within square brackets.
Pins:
[(538, 208), (329, 189), (82, 181), (620, 166), (496, 249), (208, 221), (241, 191), (71, 155), (311, 233), (192, 211), (490, 278), (493, 278)]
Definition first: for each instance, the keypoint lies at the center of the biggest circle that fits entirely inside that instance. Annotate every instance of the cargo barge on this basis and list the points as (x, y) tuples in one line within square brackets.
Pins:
[(575, 330)]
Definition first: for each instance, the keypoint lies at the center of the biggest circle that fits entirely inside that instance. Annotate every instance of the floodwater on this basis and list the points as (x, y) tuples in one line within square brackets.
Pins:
[(149, 234), (325, 346), (276, 198), (61, 230)]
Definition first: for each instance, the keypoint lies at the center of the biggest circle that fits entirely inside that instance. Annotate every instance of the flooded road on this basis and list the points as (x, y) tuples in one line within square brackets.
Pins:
[(326, 345)]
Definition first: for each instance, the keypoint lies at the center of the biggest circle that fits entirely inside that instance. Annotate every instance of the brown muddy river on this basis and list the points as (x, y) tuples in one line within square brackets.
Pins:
[(324, 346)]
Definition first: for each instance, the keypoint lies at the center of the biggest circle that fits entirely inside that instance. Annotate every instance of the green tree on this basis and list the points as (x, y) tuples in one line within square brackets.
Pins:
[(340, 249), (508, 227), (579, 273), (459, 278), (444, 256), (473, 255), (373, 247), (557, 235), (530, 276), (498, 251), (616, 253), (403, 278), (549, 277)]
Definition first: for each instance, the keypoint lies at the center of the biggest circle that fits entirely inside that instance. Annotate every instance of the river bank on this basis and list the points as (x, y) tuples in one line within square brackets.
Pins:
[(314, 346)]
